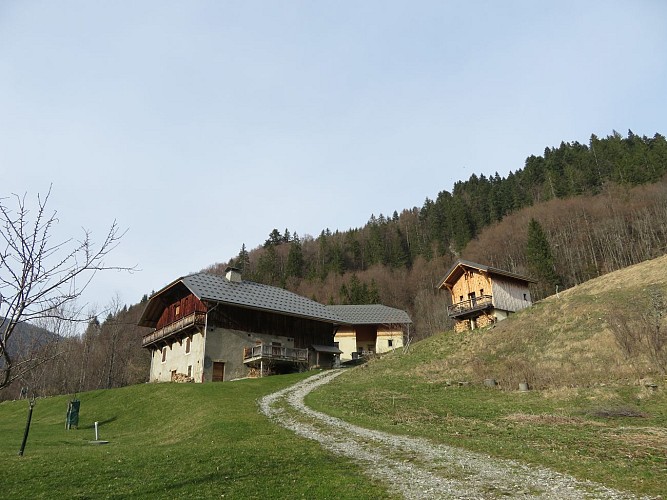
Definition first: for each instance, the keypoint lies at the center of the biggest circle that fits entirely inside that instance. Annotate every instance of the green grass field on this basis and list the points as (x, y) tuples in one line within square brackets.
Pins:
[(170, 441), (205, 441)]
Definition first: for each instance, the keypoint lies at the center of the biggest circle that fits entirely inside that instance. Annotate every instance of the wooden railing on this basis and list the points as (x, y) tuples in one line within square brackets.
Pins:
[(278, 353), (470, 305), (193, 319)]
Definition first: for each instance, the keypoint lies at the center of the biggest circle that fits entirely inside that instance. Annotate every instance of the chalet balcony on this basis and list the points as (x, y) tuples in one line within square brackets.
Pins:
[(470, 306), (194, 320), (267, 352)]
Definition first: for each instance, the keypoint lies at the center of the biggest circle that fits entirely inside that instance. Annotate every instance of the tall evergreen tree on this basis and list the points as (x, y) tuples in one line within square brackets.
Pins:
[(295, 259), (267, 267), (275, 238), (539, 255), (243, 260)]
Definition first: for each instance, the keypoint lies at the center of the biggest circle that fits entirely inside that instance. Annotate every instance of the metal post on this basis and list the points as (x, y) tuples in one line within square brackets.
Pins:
[(97, 434), (27, 426)]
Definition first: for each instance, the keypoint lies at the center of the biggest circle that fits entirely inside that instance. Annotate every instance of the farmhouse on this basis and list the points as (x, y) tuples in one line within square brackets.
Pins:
[(209, 328), (481, 295), (369, 329)]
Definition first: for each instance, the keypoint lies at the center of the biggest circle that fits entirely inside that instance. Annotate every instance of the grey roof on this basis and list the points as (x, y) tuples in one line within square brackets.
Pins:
[(370, 314), (251, 295)]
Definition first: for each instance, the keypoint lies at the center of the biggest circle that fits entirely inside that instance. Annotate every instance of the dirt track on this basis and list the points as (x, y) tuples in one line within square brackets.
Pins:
[(417, 468)]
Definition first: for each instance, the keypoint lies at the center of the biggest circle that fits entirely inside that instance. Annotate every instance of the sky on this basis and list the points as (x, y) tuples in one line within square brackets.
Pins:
[(200, 126)]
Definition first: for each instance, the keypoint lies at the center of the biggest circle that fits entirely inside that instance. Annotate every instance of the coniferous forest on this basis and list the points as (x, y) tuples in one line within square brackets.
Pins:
[(572, 214)]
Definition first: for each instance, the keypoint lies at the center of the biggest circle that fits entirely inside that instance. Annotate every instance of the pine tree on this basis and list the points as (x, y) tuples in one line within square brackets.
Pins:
[(267, 267), (539, 255), (275, 238), (295, 259), (243, 260)]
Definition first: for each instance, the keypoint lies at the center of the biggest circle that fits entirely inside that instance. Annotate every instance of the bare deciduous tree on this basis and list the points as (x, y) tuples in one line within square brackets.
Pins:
[(40, 278)]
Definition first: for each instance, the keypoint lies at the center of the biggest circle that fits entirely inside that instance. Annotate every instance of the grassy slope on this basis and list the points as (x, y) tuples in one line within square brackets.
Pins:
[(563, 348), (169, 441), (190, 441), (561, 341)]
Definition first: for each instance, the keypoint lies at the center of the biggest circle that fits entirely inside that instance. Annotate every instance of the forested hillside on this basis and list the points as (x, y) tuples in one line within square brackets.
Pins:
[(574, 213)]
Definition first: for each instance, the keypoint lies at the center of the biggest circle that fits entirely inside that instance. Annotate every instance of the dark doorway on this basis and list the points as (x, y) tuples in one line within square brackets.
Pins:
[(218, 371)]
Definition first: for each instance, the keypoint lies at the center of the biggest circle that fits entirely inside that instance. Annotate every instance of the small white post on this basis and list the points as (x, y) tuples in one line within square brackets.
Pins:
[(97, 436)]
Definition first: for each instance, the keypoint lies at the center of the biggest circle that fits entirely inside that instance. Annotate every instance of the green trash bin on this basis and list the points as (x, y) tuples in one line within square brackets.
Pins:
[(73, 414)]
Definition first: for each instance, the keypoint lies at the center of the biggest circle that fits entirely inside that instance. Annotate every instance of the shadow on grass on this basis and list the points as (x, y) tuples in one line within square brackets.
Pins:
[(100, 423)]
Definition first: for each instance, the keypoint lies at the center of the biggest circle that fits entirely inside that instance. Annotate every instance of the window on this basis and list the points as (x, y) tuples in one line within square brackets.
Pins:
[(525, 297), (189, 371), (188, 341), (164, 354), (390, 342), (177, 310)]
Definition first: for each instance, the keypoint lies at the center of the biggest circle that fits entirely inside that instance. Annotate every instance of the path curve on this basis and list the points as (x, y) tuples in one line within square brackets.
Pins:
[(416, 467)]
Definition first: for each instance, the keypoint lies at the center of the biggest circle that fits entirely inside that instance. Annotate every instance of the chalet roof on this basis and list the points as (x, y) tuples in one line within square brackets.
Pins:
[(460, 265), (370, 314), (247, 294)]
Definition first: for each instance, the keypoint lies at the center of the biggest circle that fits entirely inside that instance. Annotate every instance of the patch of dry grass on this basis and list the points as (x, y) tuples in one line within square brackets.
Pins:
[(547, 419), (650, 437)]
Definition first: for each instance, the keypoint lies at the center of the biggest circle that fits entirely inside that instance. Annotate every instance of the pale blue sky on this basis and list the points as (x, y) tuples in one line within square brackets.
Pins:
[(201, 126)]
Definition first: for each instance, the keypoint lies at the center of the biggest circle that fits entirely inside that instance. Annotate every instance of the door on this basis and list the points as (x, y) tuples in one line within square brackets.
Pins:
[(218, 371)]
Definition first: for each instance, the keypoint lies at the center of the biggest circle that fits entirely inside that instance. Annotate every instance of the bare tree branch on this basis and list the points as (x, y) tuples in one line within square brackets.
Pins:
[(40, 279)]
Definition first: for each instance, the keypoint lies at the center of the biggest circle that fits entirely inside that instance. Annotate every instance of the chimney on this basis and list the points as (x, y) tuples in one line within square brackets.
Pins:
[(233, 275)]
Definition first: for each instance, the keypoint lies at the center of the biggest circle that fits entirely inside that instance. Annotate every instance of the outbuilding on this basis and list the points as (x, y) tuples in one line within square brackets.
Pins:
[(481, 295)]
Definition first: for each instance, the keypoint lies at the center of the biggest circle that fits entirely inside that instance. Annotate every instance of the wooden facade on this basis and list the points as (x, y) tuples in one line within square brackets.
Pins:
[(180, 308), (481, 295)]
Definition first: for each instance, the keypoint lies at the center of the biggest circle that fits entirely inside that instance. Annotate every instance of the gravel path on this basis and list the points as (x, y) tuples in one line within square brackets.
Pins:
[(417, 468)]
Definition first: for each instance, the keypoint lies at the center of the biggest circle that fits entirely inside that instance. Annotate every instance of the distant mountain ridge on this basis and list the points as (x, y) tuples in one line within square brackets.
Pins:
[(27, 337)]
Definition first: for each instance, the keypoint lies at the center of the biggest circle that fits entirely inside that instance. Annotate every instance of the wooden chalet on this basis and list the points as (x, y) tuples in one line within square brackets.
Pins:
[(370, 329), (210, 328), (481, 295)]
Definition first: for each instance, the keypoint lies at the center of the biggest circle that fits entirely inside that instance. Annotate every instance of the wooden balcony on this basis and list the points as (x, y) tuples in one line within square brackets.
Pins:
[(470, 306), (267, 352), (194, 320)]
